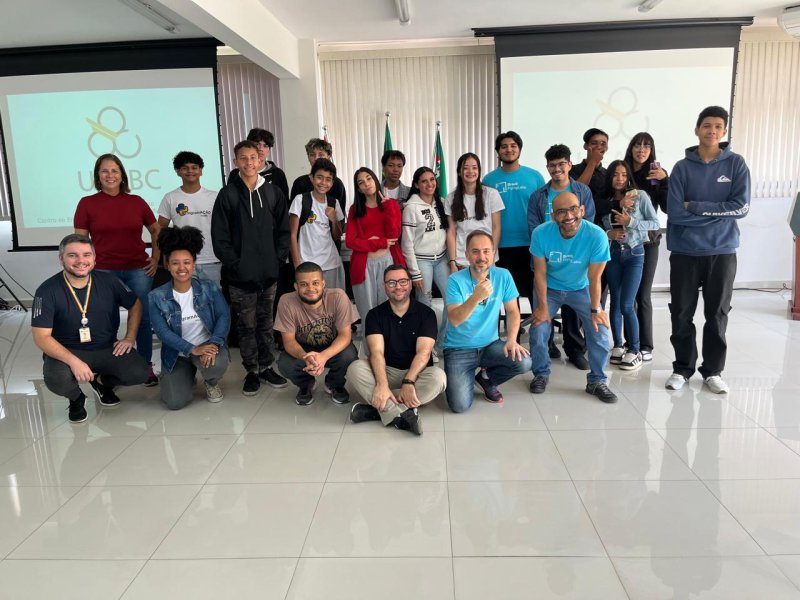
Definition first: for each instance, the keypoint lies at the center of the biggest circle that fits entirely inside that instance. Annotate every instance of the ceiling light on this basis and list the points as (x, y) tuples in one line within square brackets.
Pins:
[(403, 11), (649, 5), (146, 10)]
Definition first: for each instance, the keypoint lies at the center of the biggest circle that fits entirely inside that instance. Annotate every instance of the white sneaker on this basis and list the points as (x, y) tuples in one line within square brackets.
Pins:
[(716, 384), (676, 381), (631, 361), (617, 352), (647, 356), (213, 392)]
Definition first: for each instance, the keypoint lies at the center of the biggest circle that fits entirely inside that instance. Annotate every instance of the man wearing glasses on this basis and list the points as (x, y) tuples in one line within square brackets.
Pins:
[(474, 297), (540, 208), (399, 376), (569, 255)]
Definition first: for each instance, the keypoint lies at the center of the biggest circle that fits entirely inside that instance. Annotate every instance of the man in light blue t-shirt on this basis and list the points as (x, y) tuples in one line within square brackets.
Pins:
[(569, 255), (474, 297)]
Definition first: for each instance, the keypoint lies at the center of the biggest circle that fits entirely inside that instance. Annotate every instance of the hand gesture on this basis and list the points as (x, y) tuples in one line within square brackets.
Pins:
[(330, 212), (483, 290), (621, 217)]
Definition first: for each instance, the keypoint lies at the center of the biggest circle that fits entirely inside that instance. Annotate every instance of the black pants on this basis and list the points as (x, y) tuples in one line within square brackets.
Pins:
[(292, 368), (644, 304), (254, 325), (517, 259), (715, 274), (128, 369)]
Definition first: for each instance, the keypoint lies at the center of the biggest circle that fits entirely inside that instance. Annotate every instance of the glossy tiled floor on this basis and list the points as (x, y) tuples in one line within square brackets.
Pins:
[(663, 495)]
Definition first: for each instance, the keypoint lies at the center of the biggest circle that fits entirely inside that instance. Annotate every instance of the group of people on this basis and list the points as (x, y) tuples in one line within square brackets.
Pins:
[(565, 243)]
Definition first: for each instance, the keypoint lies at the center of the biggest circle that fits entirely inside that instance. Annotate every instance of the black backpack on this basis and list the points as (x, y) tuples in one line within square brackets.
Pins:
[(305, 213)]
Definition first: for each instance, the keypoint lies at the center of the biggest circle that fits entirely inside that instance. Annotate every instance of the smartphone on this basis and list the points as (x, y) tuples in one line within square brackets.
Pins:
[(653, 166)]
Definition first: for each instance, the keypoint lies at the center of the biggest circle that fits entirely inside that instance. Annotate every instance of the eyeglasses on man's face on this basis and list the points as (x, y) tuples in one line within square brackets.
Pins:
[(572, 210), (393, 283)]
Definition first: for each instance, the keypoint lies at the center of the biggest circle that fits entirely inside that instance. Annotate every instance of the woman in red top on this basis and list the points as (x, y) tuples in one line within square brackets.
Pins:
[(113, 218), (373, 229)]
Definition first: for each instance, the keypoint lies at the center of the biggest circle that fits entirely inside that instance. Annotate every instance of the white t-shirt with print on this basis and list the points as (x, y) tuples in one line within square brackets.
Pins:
[(192, 209), (492, 203), (315, 241), (192, 328)]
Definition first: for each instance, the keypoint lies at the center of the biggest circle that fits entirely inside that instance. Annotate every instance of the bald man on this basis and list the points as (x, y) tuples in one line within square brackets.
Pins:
[(569, 255)]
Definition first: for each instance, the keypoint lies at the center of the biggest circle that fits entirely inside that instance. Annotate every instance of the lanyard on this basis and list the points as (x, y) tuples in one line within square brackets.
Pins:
[(81, 307)]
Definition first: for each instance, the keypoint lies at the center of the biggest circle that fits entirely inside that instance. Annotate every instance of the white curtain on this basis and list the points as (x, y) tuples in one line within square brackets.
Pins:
[(455, 86), (766, 123)]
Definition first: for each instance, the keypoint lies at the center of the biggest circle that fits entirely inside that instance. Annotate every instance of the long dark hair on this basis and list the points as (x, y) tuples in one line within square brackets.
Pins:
[(610, 191), (437, 197), (458, 209), (641, 138), (359, 199)]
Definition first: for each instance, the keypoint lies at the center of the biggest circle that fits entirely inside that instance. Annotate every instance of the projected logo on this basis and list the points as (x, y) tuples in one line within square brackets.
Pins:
[(110, 134), (620, 115)]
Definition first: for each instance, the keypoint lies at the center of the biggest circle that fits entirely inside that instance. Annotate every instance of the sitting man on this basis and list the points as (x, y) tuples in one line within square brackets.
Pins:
[(569, 255), (74, 321), (474, 297), (400, 334), (315, 327)]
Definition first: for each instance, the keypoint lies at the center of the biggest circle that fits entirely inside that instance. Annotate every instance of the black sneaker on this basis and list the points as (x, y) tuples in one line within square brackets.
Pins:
[(553, 351), (489, 388), (272, 379), (601, 391), (305, 395), (409, 421), (152, 378), (364, 412), (539, 384), (105, 394), (580, 362), (251, 384), (338, 395), (77, 409)]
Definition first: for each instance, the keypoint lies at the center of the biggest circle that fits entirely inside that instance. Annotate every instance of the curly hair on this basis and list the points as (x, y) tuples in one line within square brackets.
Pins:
[(186, 238)]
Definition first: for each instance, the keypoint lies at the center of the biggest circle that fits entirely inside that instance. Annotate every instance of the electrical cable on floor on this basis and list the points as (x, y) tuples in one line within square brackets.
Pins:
[(19, 285)]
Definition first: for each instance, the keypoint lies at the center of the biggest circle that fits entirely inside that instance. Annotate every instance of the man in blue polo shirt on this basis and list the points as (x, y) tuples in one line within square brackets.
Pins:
[(474, 297), (569, 255)]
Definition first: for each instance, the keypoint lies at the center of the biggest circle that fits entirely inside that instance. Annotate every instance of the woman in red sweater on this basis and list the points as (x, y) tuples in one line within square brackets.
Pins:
[(373, 230)]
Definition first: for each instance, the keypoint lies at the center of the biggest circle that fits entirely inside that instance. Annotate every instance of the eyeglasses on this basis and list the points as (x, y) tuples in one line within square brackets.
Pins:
[(558, 165), (562, 212), (393, 283), (642, 146)]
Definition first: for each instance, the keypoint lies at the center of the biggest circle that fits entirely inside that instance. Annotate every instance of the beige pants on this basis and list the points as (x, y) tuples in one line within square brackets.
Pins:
[(430, 383)]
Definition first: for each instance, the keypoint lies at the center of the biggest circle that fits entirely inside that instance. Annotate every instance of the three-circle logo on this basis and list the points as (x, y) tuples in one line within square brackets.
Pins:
[(110, 126)]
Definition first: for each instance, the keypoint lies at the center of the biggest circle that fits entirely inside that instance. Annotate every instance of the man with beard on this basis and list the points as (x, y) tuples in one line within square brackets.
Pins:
[(74, 321), (315, 326), (399, 375), (569, 255)]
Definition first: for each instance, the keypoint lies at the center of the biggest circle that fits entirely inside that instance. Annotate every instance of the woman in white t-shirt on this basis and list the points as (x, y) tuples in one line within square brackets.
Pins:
[(470, 207)]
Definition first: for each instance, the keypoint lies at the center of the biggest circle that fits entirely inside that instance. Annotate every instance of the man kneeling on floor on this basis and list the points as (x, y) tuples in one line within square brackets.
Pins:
[(74, 321), (399, 375), (315, 325), (569, 255)]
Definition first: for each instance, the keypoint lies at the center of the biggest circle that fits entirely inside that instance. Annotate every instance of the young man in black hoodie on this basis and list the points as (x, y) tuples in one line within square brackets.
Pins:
[(250, 235), (273, 174)]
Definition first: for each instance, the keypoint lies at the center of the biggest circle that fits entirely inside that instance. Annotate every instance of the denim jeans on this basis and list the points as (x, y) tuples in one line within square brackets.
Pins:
[(460, 366), (624, 272), (211, 271), (177, 386), (435, 271), (140, 284), (254, 310), (596, 341)]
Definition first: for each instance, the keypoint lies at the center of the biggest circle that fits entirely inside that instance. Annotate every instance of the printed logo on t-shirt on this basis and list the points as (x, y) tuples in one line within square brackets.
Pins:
[(182, 209), (318, 334), (555, 256), (723, 179), (311, 218), (430, 222)]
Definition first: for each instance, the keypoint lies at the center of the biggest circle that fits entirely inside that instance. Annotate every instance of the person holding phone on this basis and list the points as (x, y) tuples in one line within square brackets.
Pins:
[(651, 177)]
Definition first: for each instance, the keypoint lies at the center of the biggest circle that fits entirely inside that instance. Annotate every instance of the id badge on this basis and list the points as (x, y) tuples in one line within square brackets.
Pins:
[(85, 335)]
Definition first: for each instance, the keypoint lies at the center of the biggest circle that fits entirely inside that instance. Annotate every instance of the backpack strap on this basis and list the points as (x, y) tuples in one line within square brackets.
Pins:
[(305, 210)]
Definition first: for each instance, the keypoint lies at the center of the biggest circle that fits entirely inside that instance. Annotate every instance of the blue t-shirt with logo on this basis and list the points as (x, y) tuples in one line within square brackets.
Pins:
[(568, 259), (480, 328), (515, 189)]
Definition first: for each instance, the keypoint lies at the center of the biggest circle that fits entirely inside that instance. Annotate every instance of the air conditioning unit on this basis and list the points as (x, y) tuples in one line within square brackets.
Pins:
[(789, 20)]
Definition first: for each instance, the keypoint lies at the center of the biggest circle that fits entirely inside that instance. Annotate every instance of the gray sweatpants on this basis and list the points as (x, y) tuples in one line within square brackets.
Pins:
[(371, 293)]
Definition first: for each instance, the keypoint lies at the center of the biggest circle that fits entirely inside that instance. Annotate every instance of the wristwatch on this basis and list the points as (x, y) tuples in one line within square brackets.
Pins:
[(408, 382), (597, 310)]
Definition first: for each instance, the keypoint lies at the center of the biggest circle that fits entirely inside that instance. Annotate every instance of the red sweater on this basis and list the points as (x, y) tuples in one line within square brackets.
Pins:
[(385, 224)]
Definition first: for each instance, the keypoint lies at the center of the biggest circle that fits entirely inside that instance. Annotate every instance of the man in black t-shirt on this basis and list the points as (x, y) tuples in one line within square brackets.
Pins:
[(399, 375), (74, 321), (590, 171), (316, 149)]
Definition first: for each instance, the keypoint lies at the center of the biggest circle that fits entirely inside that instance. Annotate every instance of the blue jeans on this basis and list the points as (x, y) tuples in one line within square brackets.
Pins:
[(140, 284), (435, 271), (624, 273), (211, 271), (596, 341), (460, 366)]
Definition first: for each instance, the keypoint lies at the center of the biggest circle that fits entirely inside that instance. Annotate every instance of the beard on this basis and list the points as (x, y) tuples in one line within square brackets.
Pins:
[(310, 301)]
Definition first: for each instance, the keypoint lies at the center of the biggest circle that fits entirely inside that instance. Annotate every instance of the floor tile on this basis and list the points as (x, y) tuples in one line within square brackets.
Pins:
[(230, 416), (517, 413), (503, 456), (789, 566), (369, 578), (243, 579), (28, 417), (125, 522), (580, 410), (520, 518), (244, 521), (390, 455), (768, 406), (547, 578), (753, 578), (126, 419), (788, 436), (282, 415), (277, 458), (11, 446), (663, 518), (23, 509), (380, 519), (687, 409)]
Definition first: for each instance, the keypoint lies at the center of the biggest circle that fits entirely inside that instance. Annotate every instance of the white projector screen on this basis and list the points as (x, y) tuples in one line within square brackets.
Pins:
[(554, 99), (55, 126)]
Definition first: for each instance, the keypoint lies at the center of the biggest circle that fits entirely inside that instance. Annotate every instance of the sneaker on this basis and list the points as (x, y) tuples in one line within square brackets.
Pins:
[(716, 384), (252, 384), (305, 395), (213, 392), (489, 389), (338, 395), (617, 352), (434, 356), (647, 355), (631, 361), (409, 420), (272, 379), (601, 391), (152, 378), (676, 381), (538, 384), (77, 409), (553, 351), (105, 394), (580, 362), (362, 411)]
